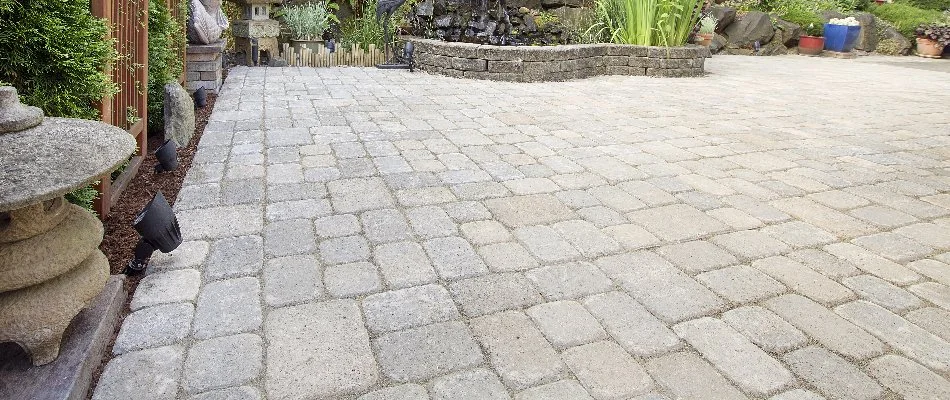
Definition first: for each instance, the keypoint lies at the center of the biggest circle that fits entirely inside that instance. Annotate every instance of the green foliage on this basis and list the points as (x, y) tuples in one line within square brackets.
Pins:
[(545, 18), (54, 53), (166, 40), (364, 29), (939, 5), (889, 47), (646, 22), (907, 18), (83, 197), (308, 21), (810, 21)]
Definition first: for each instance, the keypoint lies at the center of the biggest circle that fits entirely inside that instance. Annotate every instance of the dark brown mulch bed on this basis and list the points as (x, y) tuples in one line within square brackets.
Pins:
[(120, 238)]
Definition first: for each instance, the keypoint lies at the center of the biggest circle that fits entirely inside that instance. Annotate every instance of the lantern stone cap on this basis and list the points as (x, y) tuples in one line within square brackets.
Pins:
[(15, 116), (56, 157)]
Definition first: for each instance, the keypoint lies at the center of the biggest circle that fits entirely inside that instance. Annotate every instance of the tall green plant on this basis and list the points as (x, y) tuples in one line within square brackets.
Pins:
[(166, 40), (364, 29), (646, 22), (308, 21)]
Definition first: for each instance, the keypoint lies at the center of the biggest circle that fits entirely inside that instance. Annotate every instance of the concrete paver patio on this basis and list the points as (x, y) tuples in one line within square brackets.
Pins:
[(779, 229)]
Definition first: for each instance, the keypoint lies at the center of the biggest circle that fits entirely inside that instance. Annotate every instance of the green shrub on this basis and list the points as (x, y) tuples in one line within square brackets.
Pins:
[(54, 53), (906, 18), (83, 197), (939, 5), (806, 17), (166, 40)]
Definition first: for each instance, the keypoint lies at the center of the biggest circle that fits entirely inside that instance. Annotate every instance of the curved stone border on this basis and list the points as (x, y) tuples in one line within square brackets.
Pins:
[(555, 63)]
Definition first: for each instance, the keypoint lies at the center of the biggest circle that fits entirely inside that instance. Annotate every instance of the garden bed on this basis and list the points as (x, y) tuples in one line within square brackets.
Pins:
[(555, 63)]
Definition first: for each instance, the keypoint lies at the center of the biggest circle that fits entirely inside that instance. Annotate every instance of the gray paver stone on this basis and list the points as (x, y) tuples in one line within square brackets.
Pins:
[(351, 280), (494, 292), (697, 256), (560, 390), (228, 307), (507, 257), (293, 279), (318, 350), (765, 329), (233, 393), (454, 258), (234, 257), (345, 249), (517, 350), (289, 237), (154, 326), (908, 379), (566, 323), (631, 325), (897, 332), (688, 376), (222, 362), (151, 374), (741, 284), (829, 329), (883, 293), (733, 354), (426, 352), (478, 384), (409, 391), (404, 264), (166, 287), (607, 371), (804, 280), (665, 290), (408, 308), (834, 376), (570, 280)]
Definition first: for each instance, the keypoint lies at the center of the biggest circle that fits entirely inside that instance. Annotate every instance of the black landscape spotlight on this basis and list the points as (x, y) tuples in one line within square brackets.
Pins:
[(167, 156), (201, 98), (159, 229)]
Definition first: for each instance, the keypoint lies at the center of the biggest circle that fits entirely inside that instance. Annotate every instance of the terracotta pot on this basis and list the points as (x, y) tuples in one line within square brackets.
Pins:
[(929, 48), (705, 39), (811, 45)]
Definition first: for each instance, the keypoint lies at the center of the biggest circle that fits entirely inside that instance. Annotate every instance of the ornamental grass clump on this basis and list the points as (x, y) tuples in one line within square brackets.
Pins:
[(646, 22)]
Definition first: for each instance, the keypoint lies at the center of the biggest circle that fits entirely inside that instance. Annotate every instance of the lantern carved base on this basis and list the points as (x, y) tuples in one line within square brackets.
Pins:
[(48, 277)]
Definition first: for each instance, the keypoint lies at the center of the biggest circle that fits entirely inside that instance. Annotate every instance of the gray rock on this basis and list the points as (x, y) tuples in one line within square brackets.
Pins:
[(725, 15), (787, 33), (179, 114), (718, 42), (277, 62), (752, 27), (867, 39), (901, 43)]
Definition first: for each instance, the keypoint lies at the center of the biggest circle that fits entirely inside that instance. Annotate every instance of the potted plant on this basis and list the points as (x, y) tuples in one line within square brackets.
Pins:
[(811, 43), (707, 27), (841, 34), (931, 39), (308, 21)]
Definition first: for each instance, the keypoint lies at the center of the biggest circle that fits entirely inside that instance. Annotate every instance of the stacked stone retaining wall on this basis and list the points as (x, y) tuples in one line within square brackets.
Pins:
[(555, 63)]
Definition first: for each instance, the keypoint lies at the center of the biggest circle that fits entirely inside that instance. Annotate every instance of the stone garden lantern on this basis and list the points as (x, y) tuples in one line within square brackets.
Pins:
[(256, 28), (50, 263)]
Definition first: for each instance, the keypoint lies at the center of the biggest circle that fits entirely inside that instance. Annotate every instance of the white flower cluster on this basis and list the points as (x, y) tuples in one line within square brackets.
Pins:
[(850, 21)]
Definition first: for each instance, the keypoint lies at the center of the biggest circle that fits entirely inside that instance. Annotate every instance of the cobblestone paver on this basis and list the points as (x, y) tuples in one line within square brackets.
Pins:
[(778, 229)]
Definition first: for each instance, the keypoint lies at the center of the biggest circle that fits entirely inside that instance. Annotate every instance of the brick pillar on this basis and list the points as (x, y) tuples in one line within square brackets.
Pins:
[(204, 66)]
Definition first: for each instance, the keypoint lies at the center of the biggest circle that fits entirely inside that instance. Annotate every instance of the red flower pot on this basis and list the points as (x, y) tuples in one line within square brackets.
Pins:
[(810, 45)]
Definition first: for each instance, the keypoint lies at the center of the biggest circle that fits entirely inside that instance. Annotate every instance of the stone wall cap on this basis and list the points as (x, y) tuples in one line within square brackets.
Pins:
[(57, 157), (215, 47)]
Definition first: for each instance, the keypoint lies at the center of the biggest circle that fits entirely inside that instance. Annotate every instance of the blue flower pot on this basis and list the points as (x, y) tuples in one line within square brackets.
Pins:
[(841, 38)]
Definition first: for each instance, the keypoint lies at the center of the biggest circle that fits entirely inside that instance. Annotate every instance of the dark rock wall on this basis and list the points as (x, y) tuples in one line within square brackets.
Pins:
[(496, 22)]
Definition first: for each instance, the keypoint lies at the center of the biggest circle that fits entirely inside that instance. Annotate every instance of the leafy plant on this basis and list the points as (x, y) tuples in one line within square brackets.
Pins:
[(364, 29), (708, 24), (545, 18), (805, 14), (937, 32), (907, 18), (83, 197), (646, 22), (166, 42), (308, 21), (889, 47), (54, 53)]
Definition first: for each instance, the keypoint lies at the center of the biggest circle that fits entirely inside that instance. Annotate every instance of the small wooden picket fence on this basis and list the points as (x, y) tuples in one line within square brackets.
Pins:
[(352, 56)]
